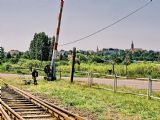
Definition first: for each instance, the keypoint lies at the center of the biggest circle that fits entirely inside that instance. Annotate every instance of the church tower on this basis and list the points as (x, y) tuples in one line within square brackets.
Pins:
[(97, 49), (132, 46)]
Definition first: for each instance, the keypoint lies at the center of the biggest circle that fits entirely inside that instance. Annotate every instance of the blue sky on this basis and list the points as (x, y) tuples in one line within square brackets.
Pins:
[(20, 19)]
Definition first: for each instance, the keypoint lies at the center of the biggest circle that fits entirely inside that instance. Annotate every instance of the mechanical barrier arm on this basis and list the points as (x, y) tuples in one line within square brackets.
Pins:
[(54, 54)]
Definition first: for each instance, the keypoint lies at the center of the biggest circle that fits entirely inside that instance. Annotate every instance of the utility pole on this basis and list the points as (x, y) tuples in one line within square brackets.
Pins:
[(41, 53), (127, 62), (54, 55), (73, 64), (113, 68)]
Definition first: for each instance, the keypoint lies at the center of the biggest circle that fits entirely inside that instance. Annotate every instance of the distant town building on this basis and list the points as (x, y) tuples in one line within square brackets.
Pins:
[(133, 49), (90, 52), (82, 52), (14, 52), (106, 51)]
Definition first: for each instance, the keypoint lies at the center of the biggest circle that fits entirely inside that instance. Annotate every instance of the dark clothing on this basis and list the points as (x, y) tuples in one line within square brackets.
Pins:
[(34, 73), (35, 81), (34, 76), (47, 70)]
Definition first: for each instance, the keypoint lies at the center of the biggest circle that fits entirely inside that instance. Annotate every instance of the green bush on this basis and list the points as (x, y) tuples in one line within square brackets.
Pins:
[(19, 71), (7, 67), (14, 60)]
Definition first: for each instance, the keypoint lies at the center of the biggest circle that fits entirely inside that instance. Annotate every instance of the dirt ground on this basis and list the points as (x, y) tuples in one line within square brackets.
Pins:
[(133, 83)]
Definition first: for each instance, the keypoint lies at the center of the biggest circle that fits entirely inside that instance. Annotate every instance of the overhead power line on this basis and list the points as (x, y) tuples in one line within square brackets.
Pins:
[(102, 29)]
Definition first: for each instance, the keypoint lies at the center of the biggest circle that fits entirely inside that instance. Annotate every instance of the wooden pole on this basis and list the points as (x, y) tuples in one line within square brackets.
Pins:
[(149, 92), (113, 68), (90, 79), (73, 64), (115, 83)]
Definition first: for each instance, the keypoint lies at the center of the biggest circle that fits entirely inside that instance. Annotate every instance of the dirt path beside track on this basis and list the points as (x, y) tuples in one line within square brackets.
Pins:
[(133, 83)]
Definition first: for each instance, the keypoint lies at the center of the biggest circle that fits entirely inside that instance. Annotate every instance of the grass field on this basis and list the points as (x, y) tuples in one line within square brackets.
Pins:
[(93, 103)]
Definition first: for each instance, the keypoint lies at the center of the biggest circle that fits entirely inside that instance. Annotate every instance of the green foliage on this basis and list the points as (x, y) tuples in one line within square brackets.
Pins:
[(95, 59), (1, 54), (25, 55), (40, 47), (62, 63), (19, 71), (8, 55), (14, 60), (134, 69), (81, 57), (6, 67), (27, 63)]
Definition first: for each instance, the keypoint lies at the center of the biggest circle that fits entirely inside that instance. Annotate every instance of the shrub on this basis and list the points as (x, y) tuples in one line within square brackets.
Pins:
[(7, 67), (19, 71), (14, 60)]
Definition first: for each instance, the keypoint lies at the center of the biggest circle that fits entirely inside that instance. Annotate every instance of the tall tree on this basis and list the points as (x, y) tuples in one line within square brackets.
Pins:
[(8, 55), (1, 54), (40, 47)]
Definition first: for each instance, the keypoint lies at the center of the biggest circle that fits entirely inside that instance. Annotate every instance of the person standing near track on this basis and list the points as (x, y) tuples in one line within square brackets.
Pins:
[(34, 76)]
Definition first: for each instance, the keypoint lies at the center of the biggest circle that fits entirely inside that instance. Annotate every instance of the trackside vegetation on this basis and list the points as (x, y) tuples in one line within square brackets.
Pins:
[(95, 104), (134, 70)]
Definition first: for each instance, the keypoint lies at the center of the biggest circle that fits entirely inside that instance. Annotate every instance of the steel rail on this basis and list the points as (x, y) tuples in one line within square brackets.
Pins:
[(54, 110), (11, 112), (76, 117), (4, 115)]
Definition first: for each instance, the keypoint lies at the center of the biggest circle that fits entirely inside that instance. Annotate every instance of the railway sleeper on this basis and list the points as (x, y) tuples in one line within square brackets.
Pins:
[(28, 109), (37, 116), (31, 108), (21, 104), (31, 112), (24, 107)]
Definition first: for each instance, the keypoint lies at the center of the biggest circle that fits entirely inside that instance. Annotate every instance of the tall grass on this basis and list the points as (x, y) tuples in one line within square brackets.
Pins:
[(134, 70)]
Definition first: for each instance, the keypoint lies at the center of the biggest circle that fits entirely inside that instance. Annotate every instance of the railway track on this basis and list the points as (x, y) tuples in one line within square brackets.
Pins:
[(19, 105)]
